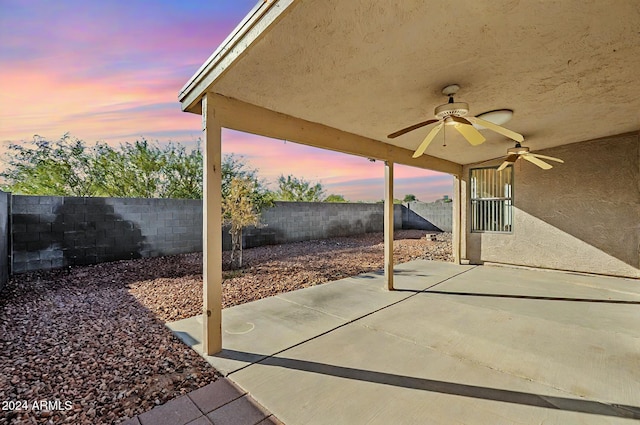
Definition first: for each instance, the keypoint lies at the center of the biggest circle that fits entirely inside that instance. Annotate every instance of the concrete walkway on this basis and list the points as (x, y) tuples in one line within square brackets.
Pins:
[(454, 344)]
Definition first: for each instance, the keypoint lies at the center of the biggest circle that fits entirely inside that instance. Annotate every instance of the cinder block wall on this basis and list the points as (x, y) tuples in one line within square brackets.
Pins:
[(436, 216), (301, 221), (52, 231), (5, 237)]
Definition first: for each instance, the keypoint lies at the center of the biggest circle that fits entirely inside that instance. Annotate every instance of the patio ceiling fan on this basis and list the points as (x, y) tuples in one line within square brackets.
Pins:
[(451, 114), (520, 151)]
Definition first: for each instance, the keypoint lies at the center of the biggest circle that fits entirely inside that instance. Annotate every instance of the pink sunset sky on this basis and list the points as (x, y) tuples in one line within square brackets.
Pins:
[(111, 71)]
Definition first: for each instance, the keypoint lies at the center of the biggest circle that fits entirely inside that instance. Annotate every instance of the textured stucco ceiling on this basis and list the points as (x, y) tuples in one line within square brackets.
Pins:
[(570, 69)]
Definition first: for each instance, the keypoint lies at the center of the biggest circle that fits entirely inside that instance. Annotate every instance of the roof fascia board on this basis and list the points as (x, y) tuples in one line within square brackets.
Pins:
[(237, 115), (252, 28)]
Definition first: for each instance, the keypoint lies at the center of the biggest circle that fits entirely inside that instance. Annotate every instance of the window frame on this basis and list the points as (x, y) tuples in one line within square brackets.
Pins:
[(507, 220)]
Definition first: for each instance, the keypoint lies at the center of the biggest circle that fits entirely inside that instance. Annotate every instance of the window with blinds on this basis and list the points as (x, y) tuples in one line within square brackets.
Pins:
[(491, 199)]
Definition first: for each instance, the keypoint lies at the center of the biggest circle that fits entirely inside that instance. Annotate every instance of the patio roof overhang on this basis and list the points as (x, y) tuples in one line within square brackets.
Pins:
[(341, 75), (568, 69)]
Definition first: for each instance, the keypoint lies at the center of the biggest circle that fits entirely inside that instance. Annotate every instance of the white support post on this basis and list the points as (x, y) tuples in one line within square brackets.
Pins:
[(459, 234), (212, 228), (388, 224)]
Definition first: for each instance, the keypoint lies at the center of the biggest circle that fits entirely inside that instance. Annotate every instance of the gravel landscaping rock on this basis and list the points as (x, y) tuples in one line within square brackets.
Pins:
[(92, 342)]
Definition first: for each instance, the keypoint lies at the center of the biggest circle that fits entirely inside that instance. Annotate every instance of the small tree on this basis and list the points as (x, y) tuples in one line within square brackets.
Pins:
[(237, 167), (241, 208), (291, 188), (335, 198), (409, 198)]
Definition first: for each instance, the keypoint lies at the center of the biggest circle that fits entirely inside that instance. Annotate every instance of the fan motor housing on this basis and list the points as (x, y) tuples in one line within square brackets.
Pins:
[(456, 109), (519, 150)]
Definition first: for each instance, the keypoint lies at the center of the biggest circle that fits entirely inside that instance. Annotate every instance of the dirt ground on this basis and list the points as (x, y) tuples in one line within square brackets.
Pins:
[(91, 340)]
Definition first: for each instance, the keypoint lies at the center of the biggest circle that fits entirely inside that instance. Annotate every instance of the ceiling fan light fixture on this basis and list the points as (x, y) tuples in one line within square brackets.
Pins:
[(454, 114), (498, 117)]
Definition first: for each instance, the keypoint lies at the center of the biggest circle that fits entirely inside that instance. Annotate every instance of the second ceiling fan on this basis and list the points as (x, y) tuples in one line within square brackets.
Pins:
[(519, 151), (454, 114)]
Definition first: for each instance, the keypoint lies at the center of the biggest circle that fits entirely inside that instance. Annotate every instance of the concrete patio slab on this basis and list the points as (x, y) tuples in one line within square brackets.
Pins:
[(566, 356), (358, 376), (346, 299), (415, 275), (456, 344), (546, 283), (595, 302), (262, 328)]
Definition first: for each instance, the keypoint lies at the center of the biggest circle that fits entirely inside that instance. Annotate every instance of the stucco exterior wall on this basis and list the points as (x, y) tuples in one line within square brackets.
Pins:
[(583, 215)]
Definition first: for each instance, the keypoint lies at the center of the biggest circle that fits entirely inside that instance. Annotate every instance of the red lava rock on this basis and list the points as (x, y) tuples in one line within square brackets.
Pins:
[(94, 335)]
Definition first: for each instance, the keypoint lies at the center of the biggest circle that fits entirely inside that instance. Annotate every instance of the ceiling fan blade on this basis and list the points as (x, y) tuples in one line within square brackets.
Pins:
[(460, 120), (504, 165), (550, 158), (411, 128), (536, 161), (510, 160), (469, 132), (425, 143), (498, 129)]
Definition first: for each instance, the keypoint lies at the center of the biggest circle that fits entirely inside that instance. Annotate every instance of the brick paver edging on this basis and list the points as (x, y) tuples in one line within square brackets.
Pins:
[(219, 403)]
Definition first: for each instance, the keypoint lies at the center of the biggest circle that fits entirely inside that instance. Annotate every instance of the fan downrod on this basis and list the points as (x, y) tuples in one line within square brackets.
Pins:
[(518, 149), (450, 90)]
